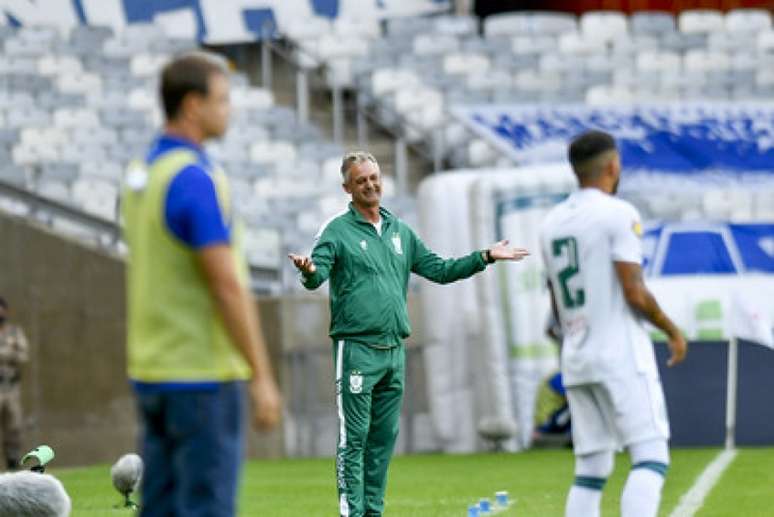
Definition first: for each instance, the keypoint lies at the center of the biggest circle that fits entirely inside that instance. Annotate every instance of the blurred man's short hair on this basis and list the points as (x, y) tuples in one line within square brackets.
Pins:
[(188, 73)]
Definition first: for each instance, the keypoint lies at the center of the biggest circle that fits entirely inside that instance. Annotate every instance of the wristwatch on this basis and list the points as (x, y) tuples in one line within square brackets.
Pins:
[(488, 257)]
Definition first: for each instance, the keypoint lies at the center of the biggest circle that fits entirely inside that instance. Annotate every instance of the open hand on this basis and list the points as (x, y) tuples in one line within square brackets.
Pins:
[(678, 348), (266, 401), (303, 263), (501, 251)]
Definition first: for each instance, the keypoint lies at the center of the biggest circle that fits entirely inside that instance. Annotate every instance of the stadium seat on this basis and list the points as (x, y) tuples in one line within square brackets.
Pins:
[(480, 153), (575, 43), (75, 118), (603, 25), (435, 44), (529, 23), (652, 23), (706, 61), (408, 26), (748, 20), (456, 25), (533, 45), (765, 42), (14, 174), (56, 190), (308, 29), (604, 95), (465, 64), (147, 65), (51, 65), (702, 21), (365, 27), (658, 62), (732, 41)]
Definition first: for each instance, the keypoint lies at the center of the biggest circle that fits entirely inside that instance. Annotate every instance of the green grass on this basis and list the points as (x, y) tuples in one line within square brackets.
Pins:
[(444, 485)]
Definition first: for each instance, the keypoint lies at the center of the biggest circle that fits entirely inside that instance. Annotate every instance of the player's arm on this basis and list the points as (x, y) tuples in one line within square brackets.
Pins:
[(193, 214), (642, 301), (236, 308)]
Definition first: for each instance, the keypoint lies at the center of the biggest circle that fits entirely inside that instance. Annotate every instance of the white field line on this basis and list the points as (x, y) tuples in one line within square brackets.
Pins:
[(693, 499)]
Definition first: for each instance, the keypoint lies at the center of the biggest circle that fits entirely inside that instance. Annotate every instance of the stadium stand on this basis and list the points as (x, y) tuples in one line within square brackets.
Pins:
[(75, 108), (419, 67)]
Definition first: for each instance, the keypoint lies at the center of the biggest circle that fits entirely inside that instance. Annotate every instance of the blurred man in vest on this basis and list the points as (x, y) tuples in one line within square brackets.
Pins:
[(193, 335), (13, 354)]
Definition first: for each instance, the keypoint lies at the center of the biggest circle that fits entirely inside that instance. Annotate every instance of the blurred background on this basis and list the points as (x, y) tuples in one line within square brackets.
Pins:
[(468, 107)]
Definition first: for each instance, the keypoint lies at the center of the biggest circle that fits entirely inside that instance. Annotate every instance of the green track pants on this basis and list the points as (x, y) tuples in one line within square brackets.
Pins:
[(369, 393)]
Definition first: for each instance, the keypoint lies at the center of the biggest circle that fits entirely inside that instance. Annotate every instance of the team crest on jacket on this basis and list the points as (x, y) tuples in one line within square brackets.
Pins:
[(355, 382), (364, 245), (397, 244)]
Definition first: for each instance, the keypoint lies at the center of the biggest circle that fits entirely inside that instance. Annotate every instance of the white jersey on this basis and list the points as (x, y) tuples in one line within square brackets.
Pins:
[(581, 238)]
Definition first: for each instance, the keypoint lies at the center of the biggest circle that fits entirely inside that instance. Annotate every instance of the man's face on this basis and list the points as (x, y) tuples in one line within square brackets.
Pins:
[(364, 184), (214, 109)]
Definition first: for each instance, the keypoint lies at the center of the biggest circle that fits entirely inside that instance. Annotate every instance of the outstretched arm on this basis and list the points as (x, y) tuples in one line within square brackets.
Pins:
[(315, 269), (427, 264), (641, 300), (235, 306)]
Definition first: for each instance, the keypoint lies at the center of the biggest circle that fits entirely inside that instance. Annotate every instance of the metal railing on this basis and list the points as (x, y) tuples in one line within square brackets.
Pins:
[(105, 234)]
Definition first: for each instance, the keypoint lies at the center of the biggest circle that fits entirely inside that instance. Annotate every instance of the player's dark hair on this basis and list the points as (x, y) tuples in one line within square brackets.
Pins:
[(188, 73), (3, 303), (585, 148)]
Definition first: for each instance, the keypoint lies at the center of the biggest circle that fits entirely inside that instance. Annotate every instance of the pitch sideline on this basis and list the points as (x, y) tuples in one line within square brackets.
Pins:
[(693, 499)]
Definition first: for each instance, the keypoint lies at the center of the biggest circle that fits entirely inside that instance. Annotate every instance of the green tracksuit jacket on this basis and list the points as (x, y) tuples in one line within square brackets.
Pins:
[(369, 275)]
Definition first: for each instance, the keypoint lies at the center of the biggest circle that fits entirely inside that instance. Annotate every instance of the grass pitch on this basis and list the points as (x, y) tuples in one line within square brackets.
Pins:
[(445, 485)]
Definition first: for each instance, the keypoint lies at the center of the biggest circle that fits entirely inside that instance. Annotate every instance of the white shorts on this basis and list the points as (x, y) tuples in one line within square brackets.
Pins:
[(617, 413)]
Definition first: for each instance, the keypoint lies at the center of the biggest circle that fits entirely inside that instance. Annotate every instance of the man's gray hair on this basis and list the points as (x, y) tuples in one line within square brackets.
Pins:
[(355, 158)]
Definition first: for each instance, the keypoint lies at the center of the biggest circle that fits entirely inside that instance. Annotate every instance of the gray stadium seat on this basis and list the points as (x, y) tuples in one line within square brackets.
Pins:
[(652, 23)]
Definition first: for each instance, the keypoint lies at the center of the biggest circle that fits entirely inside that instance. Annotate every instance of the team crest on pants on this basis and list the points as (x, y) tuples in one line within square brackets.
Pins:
[(355, 382)]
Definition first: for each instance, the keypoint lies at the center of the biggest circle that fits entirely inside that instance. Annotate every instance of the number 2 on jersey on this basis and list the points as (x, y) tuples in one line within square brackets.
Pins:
[(577, 298)]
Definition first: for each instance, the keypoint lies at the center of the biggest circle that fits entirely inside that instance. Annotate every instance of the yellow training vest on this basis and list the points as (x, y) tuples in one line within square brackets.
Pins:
[(175, 333)]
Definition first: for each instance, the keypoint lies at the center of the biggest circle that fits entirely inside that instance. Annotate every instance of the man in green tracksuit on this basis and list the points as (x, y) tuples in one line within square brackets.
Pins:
[(368, 255)]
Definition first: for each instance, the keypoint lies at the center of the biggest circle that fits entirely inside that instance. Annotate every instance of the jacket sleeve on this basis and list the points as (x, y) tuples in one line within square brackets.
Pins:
[(427, 264), (323, 256)]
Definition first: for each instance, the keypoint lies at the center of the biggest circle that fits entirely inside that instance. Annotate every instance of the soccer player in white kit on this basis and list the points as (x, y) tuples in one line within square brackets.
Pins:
[(591, 244)]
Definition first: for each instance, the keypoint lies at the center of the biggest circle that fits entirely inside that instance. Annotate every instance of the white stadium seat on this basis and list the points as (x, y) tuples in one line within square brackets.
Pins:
[(466, 64), (456, 25), (147, 65), (748, 20), (85, 83), (703, 21), (75, 118), (434, 44), (705, 61), (308, 28), (765, 42), (387, 80), (603, 25), (604, 95), (54, 65), (576, 43), (533, 44), (365, 27), (272, 152), (659, 61)]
